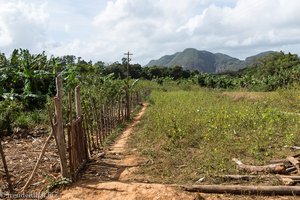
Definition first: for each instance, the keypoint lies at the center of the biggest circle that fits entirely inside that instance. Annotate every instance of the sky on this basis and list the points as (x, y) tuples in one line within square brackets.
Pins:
[(103, 30)]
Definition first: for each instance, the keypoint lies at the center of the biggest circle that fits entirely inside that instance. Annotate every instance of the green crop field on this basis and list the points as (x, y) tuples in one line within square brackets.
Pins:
[(187, 135)]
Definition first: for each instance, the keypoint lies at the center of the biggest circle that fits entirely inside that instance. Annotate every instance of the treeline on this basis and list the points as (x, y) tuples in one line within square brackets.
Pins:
[(148, 73), (30, 77), (277, 70), (28, 80)]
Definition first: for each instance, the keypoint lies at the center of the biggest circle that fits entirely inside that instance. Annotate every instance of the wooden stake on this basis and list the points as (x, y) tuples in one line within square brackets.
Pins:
[(10, 188), (79, 116), (70, 143), (77, 102), (96, 120), (61, 142), (87, 130)]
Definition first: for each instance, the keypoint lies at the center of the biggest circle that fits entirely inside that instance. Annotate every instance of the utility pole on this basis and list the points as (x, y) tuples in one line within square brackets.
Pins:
[(127, 89), (128, 60)]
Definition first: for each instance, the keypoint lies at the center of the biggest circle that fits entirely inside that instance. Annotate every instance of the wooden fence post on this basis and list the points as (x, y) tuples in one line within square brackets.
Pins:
[(77, 102), (61, 142), (70, 130), (127, 96), (96, 122), (80, 116), (10, 188)]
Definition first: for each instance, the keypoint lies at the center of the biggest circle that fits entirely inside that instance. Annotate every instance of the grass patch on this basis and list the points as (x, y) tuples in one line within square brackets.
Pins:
[(120, 128), (191, 134)]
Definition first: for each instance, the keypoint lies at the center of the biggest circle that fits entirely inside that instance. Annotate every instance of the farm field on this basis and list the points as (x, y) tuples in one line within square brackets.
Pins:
[(189, 135), (128, 99), (195, 129)]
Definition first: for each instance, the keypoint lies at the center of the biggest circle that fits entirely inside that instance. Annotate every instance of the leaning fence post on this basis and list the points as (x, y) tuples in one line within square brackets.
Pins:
[(61, 142), (10, 188)]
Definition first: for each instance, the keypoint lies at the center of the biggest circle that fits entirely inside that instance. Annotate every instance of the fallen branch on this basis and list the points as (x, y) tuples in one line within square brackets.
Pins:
[(272, 168), (249, 177), (294, 162), (286, 180), (244, 190), (41, 154)]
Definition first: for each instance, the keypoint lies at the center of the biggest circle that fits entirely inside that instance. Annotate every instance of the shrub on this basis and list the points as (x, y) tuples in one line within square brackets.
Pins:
[(9, 112)]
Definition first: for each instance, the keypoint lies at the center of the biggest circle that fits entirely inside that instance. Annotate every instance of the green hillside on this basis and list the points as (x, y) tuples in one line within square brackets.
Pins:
[(205, 61)]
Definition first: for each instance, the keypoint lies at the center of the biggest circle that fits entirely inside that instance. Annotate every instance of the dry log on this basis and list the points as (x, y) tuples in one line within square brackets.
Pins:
[(244, 190), (272, 168), (295, 162), (286, 180), (249, 177)]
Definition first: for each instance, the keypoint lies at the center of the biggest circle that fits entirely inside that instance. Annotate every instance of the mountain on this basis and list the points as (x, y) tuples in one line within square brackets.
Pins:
[(205, 61)]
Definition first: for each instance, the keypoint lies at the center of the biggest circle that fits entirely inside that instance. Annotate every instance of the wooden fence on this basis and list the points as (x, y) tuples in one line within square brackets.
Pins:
[(95, 121), (86, 132), (77, 137)]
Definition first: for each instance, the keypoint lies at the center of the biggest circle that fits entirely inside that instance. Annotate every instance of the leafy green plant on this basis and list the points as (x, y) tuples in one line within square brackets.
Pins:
[(9, 112), (58, 183)]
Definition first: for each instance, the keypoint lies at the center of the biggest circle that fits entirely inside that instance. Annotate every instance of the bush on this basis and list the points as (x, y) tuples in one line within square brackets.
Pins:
[(22, 121), (9, 112)]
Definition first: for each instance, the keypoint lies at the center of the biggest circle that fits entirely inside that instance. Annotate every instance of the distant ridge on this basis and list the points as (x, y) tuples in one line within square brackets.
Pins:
[(205, 61)]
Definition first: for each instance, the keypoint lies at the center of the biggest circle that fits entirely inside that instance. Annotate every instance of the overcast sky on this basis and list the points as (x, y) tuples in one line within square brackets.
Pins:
[(105, 30)]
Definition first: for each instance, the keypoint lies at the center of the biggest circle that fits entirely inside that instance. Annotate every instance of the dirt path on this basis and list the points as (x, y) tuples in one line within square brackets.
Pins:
[(111, 177)]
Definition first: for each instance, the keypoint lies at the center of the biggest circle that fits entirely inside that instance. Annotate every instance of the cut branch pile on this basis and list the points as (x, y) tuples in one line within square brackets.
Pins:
[(290, 165), (286, 170)]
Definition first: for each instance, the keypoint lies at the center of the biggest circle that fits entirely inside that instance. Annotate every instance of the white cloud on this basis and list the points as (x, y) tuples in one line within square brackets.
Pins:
[(5, 38), (104, 30), (247, 24), (22, 24)]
